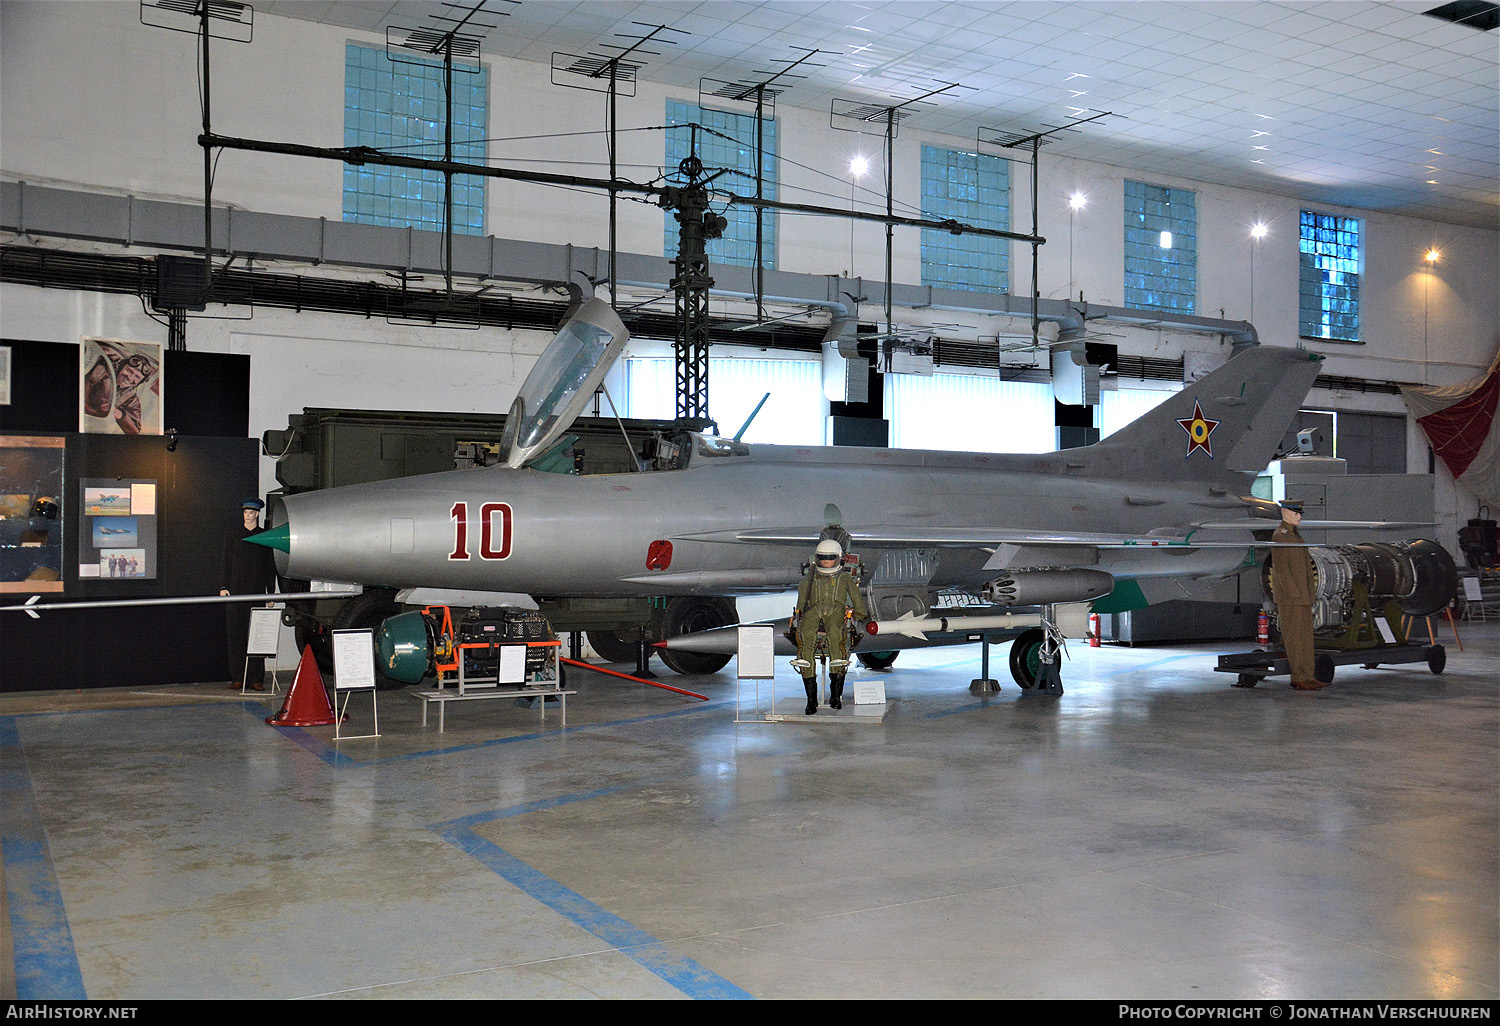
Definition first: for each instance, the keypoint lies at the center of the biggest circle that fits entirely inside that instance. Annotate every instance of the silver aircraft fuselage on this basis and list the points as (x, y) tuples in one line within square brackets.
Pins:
[(728, 523)]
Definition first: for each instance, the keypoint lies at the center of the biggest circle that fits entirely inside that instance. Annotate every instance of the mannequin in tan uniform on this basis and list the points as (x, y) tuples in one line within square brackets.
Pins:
[(1292, 587)]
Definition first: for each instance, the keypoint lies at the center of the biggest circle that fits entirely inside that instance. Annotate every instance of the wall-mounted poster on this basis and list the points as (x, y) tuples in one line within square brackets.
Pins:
[(31, 522), (117, 536), (121, 390)]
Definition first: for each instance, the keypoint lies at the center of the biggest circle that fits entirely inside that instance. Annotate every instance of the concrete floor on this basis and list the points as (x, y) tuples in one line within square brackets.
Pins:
[(1154, 833)]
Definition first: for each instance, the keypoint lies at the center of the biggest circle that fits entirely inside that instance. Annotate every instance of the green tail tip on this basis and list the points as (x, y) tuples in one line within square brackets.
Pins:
[(274, 538)]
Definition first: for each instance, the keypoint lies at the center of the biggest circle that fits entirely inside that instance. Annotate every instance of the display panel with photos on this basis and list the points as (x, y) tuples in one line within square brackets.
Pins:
[(117, 533), (31, 521)]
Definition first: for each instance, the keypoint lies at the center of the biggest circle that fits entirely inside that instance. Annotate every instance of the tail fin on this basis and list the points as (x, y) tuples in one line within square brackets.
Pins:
[(1227, 423)]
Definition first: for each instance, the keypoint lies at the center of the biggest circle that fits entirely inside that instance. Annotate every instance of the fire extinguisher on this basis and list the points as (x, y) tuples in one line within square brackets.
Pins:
[(1093, 630), (1263, 628)]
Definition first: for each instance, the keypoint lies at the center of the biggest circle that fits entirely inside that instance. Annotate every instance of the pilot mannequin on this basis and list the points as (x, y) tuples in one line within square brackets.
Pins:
[(822, 598), (1292, 586)]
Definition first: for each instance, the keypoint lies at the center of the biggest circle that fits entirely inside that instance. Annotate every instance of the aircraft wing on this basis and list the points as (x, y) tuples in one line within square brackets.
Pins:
[(919, 537), (952, 537), (1263, 524)]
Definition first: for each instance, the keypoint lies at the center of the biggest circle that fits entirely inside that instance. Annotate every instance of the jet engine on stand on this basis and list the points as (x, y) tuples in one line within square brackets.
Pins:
[(1418, 576)]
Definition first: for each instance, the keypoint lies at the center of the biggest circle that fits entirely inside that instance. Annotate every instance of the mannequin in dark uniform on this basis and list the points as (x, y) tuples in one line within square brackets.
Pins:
[(245, 569), (1292, 587)]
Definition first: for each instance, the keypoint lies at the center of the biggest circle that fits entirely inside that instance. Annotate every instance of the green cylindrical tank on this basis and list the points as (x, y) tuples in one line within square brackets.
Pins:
[(403, 645)]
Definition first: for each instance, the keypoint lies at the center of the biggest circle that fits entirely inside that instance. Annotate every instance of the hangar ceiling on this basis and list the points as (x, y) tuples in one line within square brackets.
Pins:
[(1374, 105)]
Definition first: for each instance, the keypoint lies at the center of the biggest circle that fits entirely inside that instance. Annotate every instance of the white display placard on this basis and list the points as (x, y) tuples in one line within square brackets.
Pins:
[(143, 498), (756, 652), (1472, 593), (265, 631), (353, 660), (869, 692), (1384, 628), (512, 668)]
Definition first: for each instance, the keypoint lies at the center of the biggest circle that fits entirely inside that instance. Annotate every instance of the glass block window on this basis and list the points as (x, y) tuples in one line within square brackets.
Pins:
[(1161, 247), (969, 413), (737, 245), (400, 107), (1328, 277), (1124, 405), (792, 416), (973, 188)]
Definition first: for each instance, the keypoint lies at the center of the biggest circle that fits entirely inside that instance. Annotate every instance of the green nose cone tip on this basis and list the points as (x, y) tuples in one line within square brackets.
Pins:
[(274, 538)]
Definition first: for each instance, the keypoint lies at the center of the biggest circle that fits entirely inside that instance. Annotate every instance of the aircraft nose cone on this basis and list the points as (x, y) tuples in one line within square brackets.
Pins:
[(274, 538)]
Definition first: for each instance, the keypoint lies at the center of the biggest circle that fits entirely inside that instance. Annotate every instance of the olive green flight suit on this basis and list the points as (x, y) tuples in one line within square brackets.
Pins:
[(1292, 586), (821, 600)]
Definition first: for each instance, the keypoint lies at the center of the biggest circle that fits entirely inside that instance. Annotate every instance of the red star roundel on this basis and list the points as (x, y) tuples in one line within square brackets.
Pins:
[(1200, 431)]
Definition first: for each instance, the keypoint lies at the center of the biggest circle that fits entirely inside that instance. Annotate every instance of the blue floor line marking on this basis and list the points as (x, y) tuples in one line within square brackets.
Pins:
[(541, 804), (685, 974), (1154, 664), (46, 964), (1097, 675)]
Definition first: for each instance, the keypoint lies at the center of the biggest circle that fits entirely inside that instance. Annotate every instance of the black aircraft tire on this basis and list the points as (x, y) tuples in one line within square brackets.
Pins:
[(687, 616), (1323, 668), (876, 660), (368, 612), (316, 638), (1025, 657), (1437, 658), (615, 646)]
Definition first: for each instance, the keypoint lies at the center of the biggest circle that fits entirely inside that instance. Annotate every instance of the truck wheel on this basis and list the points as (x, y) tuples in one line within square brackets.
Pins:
[(368, 612), (687, 616), (614, 646)]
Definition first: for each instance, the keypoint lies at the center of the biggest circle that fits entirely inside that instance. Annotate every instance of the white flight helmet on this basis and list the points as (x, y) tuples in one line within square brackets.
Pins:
[(828, 557)]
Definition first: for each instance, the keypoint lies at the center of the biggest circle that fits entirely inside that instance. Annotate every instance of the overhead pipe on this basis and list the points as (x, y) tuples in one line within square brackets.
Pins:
[(131, 221)]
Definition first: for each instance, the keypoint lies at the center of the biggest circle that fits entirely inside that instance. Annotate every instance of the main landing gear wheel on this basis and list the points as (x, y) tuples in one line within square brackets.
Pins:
[(687, 616), (1026, 657), (315, 637), (876, 660)]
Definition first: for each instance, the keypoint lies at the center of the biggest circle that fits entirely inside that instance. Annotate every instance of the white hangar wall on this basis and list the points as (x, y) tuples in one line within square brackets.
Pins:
[(91, 98)]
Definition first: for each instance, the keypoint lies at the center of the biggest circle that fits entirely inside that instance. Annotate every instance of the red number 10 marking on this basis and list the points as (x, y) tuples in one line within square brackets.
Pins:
[(487, 547)]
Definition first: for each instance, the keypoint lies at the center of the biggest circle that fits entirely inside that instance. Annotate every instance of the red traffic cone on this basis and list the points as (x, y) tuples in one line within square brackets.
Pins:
[(306, 702)]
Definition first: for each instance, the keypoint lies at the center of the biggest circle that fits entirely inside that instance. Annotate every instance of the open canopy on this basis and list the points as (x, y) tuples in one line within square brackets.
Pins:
[(560, 384)]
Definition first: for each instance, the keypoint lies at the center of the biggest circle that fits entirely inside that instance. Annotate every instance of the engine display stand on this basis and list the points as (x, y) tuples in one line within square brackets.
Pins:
[(1253, 667)]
